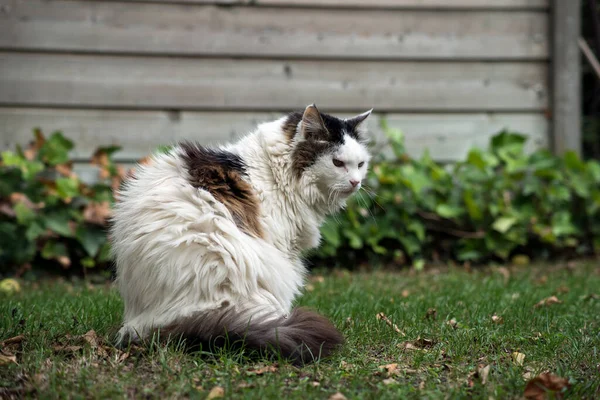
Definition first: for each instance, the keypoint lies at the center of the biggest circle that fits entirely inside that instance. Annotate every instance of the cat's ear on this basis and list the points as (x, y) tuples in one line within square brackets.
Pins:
[(356, 121), (313, 126)]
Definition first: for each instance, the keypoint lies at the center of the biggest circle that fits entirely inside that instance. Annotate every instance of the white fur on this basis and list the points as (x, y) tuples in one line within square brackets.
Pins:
[(178, 250)]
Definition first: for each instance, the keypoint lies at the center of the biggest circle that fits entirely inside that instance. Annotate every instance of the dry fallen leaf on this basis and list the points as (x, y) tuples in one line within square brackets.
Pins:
[(66, 349), (260, 371), (22, 198), (548, 302), (431, 313), (405, 293), (562, 289), (418, 344), (391, 369), (483, 373), (315, 384), (7, 358), (505, 273), (97, 213), (337, 396), (7, 210), (13, 340), (64, 261), (542, 280), (497, 320), (65, 170), (383, 317), (216, 393), (518, 358), (539, 387), (346, 366), (389, 381)]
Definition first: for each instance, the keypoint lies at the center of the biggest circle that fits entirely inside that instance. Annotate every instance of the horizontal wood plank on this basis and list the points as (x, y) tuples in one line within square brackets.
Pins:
[(390, 4), (184, 83), (178, 29), (448, 137)]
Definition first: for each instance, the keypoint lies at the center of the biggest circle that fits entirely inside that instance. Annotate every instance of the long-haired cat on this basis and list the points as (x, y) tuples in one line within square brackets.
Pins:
[(208, 242)]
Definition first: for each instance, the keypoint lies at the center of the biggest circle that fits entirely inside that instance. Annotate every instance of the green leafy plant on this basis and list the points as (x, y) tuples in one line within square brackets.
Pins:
[(497, 204), (48, 216)]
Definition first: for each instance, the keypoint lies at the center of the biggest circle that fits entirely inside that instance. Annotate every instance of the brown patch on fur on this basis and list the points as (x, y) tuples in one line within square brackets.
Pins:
[(303, 337), (221, 174), (291, 124), (306, 153)]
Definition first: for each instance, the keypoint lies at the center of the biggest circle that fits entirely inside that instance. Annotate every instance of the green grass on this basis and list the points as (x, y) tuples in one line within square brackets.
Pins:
[(561, 338)]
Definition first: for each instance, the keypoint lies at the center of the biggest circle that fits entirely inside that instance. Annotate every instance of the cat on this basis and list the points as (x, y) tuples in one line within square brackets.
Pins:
[(208, 242)]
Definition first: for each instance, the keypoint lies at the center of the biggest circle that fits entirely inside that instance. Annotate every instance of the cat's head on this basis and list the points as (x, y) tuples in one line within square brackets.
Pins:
[(332, 150)]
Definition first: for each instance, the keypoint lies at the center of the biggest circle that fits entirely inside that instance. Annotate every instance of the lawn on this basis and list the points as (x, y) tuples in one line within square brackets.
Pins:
[(439, 334)]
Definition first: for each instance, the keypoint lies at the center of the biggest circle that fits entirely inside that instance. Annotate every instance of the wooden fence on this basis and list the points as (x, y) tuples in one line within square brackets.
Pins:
[(448, 73)]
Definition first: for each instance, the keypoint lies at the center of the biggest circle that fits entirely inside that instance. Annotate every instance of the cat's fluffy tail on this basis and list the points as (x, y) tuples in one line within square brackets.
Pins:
[(303, 337)]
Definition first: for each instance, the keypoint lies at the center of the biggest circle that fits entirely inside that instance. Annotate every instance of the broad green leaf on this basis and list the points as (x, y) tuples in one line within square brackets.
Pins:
[(503, 224), (88, 262), (59, 223), (104, 253), (511, 142), (67, 188), (562, 225), (56, 149), (30, 169), (164, 149), (53, 249), (419, 264), (34, 230), (411, 244), (110, 150), (573, 162), (414, 179), (331, 234), (448, 211), (90, 238), (417, 227), (475, 212), (475, 158), (356, 242), (24, 214)]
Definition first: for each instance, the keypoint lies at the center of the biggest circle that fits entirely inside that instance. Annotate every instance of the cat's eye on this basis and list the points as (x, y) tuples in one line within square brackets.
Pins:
[(360, 164), (338, 163)]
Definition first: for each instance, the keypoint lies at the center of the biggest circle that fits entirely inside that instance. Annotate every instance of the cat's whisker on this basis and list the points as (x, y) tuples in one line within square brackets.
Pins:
[(368, 208), (373, 195)]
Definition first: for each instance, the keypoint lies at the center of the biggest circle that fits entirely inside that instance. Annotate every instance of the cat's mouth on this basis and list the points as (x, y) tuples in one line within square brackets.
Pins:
[(349, 191)]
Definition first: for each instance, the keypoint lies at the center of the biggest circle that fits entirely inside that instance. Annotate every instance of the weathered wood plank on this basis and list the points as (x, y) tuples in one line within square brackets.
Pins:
[(97, 26), (566, 76), (391, 4), (447, 136), (185, 83)]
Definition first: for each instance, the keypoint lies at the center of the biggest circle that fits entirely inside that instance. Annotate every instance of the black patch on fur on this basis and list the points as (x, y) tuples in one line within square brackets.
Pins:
[(317, 143), (303, 337), (221, 174)]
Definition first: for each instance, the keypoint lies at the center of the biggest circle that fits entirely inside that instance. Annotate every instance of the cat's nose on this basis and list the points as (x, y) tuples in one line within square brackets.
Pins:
[(354, 183)]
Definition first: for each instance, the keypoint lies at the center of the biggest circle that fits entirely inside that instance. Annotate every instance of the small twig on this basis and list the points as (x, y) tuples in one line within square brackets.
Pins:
[(429, 215), (385, 319), (589, 55), (451, 231)]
